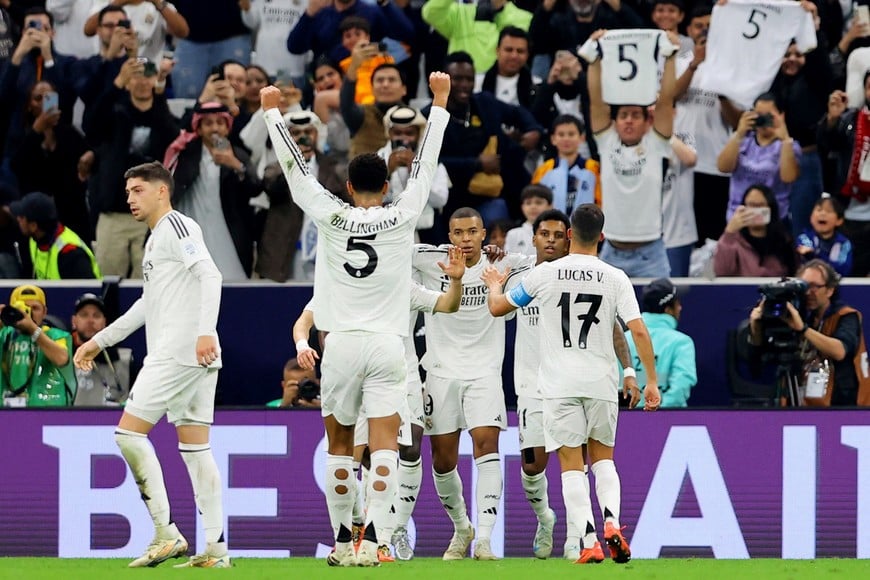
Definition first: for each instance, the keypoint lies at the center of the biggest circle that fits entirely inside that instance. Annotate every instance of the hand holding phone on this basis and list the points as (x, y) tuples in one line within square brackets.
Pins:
[(50, 100), (220, 143), (757, 216), (862, 16)]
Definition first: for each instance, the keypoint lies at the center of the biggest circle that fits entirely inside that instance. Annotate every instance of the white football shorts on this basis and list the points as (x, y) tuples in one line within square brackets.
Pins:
[(571, 422), (530, 415), (184, 394), (453, 404)]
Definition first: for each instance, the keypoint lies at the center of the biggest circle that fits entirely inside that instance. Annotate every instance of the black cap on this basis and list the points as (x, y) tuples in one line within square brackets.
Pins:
[(659, 294), (35, 206), (88, 298)]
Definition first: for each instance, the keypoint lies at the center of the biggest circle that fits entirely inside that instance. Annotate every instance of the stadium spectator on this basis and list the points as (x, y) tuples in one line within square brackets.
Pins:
[(761, 150), (534, 200), (300, 387), (572, 179), (844, 127), (214, 182), (57, 252), (355, 31), (10, 236), (823, 240), (678, 217), (256, 78), (832, 349), (318, 29), (227, 85), (366, 122), (675, 351), (326, 83), (37, 368), (475, 29), (130, 125), (271, 21), (217, 34), (668, 15), (108, 382), (8, 34), (47, 161), (285, 221), (152, 20), (755, 242), (509, 80), (69, 21)]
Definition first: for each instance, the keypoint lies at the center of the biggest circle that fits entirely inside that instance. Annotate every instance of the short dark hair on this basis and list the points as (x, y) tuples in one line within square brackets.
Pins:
[(836, 205), (465, 212), (614, 110), (230, 61), (151, 172), (551, 215), (567, 120), (292, 365), (587, 222), (537, 190), (678, 3), (768, 97), (700, 11), (108, 10), (503, 226), (513, 32), (354, 23), (262, 70), (38, 11), (367, 173), (460, 56), (388, 65)]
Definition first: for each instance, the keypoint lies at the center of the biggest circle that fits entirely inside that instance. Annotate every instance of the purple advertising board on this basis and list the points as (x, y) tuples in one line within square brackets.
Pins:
[(724, 484)]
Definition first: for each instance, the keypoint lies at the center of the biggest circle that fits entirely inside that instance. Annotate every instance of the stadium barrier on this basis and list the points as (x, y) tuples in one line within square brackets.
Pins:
[(723, 484)]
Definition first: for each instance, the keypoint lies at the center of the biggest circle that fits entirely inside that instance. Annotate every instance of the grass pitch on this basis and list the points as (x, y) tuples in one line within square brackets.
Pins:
[(435, 569)]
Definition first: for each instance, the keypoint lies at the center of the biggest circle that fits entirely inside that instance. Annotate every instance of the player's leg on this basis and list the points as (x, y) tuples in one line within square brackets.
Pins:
[(384, 400), (565, 432), (410, 480), (140, 416), (534, 473), (602, 417), (361, 464), (192, 413), (341, 399), (443, 406), (485, 415)]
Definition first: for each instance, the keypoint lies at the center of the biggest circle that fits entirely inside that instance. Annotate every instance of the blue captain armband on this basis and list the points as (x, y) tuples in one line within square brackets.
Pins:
[(518, 296)]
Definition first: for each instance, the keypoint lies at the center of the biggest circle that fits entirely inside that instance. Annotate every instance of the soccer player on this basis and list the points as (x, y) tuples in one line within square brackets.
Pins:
[(464, 354), (410, 471), (181, 294), (550, 239), (578, 298), (362, 297)]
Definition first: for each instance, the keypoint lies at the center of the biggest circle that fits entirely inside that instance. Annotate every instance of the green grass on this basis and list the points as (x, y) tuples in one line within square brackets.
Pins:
[(430, 568)]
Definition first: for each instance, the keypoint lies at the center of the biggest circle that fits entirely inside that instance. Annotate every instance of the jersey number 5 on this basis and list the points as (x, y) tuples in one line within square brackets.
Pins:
[(588, 319), (753, 17), (624, 58), (356, 243)]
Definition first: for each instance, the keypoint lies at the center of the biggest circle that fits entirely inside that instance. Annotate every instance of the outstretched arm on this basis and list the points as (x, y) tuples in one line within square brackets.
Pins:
[(450, 300), (599, 111), (123, 327), (498, 303)]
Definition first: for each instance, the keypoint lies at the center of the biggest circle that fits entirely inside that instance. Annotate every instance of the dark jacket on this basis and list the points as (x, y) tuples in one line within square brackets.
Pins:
[(235, 195), (559, 29), (835, 147), (525, 86), (109, 133)]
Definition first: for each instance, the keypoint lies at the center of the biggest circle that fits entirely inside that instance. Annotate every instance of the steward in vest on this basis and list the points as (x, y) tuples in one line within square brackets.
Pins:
[(56, 251), (36, 361)]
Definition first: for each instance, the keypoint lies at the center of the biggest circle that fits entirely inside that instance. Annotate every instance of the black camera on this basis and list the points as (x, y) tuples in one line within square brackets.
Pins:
[(13, 314), (764, 120), (778, 336), (308, 389), (124, 24)]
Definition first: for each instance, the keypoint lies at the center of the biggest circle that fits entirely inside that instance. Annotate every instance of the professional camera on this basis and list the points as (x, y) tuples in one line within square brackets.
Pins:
[(14, 313), (308, 389), (778, 335)]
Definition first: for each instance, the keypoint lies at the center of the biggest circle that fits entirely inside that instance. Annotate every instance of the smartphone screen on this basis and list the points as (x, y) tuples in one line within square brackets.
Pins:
[(761, 215), (50, 101)]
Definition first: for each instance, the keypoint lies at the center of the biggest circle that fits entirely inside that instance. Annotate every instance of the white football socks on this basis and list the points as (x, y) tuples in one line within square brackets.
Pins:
[(578, 507), (381, 494), (488, 493), (207, 491), (535, 487), (142, 459), (449, 488), (410, 480), (340, 494), (608, 489)]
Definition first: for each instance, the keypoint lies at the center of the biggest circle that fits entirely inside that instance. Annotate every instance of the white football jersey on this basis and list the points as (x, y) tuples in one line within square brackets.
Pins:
[(468, 344), (578, 299), (422, 300), (746, 42), (527, 349), (631, 185), (629, 67), (678, 195), (363, 263), (171, 293)]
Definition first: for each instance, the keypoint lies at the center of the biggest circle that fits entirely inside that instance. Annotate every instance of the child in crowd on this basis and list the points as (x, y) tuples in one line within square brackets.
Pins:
[(823, 240), (356, 37), (572, 179), (534, 200), (498, 232)]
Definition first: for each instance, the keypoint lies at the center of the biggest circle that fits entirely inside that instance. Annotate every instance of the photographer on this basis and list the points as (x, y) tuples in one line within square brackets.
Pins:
[(37, 369), (830, 332), (301, 387)]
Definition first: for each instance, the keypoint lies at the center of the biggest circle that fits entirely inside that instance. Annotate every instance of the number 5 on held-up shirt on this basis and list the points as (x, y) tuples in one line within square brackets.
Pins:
[(629, 66), (746, 42), (578, 298), (362, 277)]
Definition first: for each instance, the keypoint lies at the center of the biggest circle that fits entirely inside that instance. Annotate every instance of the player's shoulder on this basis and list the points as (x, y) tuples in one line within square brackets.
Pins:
[(431, 250), (178, 226)]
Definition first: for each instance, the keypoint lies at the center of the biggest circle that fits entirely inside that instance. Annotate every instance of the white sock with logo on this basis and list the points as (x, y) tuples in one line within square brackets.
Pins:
[(449, 488), (142, 459), (410, 479), (608, 489), (489, 486), (207, 492)]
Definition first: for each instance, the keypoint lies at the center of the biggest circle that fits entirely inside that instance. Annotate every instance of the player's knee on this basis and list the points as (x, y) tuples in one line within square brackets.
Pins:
[(410, 453), (532, 469)]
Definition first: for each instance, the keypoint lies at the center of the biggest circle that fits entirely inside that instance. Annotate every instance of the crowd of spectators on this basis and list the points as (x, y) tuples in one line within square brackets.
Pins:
[(91, 87)]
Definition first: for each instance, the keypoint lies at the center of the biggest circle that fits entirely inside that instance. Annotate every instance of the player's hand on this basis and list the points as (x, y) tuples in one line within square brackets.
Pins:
[(270, 97), (439, 82), (85, 354), (493, 252), (307, 358), (651, 397), (455, 267), (630, 390), (493, 278), (793, 318), (207, 351)]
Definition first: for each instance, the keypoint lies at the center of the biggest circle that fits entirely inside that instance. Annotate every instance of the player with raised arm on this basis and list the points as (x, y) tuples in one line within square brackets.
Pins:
[(550, 239), (464, 354), (362, 297), (181, 294), (410, 471), (579, 298)]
